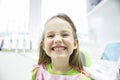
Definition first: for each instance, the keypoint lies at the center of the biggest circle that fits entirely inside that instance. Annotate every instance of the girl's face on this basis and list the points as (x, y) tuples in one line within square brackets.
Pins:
[(58, 39)]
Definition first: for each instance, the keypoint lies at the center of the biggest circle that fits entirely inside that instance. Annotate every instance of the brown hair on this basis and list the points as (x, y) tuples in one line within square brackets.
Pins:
[(75, 59)]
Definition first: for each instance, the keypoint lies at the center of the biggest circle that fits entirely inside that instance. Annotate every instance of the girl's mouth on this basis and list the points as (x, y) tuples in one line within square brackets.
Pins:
[(59, 48)]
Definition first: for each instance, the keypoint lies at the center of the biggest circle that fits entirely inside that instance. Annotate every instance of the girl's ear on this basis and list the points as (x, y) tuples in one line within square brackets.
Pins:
[(75, 43)]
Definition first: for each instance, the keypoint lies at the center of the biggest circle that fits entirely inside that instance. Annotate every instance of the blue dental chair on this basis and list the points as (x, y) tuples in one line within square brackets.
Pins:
[(111, 52)]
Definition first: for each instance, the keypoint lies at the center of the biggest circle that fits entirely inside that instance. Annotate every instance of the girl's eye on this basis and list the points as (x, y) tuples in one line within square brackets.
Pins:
[(50, 36), (65, 35)]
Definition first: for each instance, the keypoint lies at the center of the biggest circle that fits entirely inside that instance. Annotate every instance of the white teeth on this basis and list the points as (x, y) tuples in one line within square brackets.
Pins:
[(58, 48)]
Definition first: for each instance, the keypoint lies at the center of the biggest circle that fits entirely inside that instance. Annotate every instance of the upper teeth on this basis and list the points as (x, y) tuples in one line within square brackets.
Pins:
[(59, 48)]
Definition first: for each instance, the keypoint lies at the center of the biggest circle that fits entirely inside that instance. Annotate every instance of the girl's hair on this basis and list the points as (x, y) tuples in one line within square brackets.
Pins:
[(75, 59)]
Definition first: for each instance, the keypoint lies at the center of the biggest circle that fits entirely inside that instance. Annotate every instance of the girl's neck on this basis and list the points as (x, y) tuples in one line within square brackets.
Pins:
[(61, 66)]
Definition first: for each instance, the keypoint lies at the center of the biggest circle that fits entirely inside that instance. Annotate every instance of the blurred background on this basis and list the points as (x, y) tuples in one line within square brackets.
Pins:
[(22, 23)]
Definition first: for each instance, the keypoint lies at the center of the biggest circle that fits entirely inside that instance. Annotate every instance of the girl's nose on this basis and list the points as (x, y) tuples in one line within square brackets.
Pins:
[(58, 39)]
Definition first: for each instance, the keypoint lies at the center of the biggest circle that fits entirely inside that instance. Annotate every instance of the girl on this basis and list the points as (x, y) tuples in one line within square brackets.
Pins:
[(59, 56)]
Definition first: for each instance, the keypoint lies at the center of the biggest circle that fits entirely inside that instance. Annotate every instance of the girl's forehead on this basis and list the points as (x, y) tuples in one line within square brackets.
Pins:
[(57, 23)]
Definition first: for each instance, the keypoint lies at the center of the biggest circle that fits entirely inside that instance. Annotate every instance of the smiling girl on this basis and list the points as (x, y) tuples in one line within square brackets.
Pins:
[(59, 56)]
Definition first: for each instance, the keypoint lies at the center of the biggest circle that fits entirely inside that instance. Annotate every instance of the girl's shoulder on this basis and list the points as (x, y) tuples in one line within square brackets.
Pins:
[(34, 73), (35, 70)]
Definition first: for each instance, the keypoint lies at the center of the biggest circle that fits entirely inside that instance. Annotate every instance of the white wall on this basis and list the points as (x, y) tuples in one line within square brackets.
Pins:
[(14, 15), (104, 21), (75, 9), (35, 21)]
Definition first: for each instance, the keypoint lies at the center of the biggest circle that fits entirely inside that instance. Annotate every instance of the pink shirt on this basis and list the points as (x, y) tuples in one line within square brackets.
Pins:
[(42, 74)]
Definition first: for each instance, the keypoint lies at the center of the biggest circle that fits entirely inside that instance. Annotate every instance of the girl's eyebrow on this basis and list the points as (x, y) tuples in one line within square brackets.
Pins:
[(50, 32), (63, 31)]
